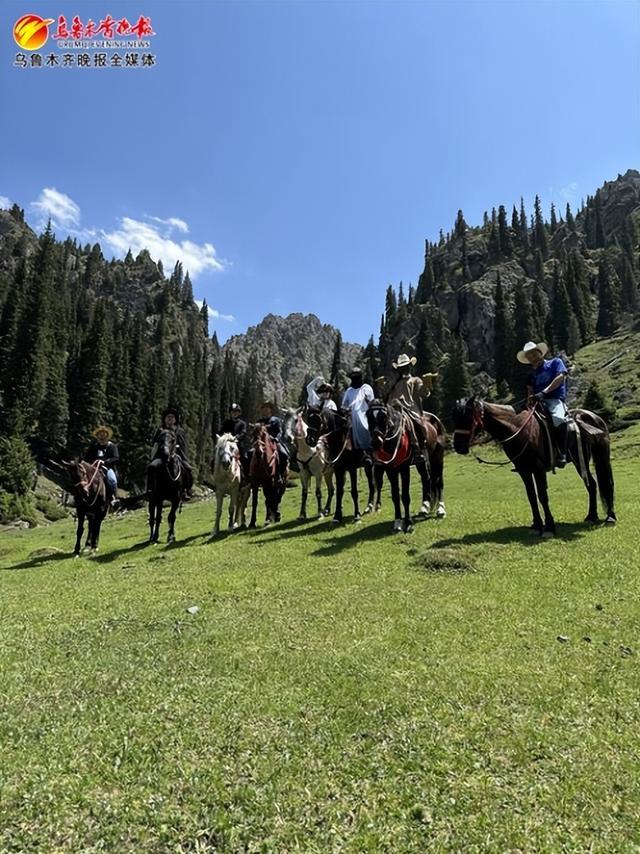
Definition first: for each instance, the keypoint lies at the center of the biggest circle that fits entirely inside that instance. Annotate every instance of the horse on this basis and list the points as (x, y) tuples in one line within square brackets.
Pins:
[(392, 433), (89, 489), (524, 437), (166, 481), (313, 463), (229, 480), (263, 473), (334, 427)]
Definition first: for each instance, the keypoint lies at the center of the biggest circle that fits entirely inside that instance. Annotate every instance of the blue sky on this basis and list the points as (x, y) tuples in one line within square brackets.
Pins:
[(310, 147)]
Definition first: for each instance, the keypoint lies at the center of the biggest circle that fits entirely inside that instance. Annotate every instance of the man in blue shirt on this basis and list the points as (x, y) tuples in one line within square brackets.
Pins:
[(547, 383)]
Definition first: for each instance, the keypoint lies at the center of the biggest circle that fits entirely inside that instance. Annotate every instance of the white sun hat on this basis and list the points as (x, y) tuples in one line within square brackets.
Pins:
[(528, 347)]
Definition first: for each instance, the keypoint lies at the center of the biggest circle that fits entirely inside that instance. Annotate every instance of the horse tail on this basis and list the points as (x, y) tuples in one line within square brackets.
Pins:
[(604, 473)]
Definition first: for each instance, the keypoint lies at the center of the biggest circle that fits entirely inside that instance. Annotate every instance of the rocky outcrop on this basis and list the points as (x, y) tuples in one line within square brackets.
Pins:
[(288, 350)]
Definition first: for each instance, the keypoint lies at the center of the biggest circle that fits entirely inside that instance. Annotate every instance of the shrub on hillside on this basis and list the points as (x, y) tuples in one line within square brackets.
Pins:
[(16, 466), (598, 402)]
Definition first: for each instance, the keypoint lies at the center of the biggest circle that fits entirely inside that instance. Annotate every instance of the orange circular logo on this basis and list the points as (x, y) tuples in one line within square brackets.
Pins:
[(31, 31)]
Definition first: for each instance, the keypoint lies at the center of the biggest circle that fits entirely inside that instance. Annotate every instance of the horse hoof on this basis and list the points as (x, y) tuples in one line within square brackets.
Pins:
[(610, 520), (593, 520), (397, 526), (76, 555), (357, 520), (441, 513), (368, 509), (425, 509), (302, 519), (547, 535), (335, 521)]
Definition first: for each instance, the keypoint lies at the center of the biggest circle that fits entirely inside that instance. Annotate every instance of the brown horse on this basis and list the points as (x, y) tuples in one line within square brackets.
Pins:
[(88, 487), (263, 473), (393, 440), (524, 439)]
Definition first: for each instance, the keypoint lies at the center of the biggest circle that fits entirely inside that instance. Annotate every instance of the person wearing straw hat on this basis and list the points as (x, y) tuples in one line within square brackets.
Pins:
[(102, 448), (319, 395), (547, 384), (407, 393)]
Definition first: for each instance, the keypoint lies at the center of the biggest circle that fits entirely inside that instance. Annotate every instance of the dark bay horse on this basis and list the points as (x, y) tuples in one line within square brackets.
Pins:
[(89, 490), (166, 481), (523, 437), (264, 474), (392, 438), (334, 427)]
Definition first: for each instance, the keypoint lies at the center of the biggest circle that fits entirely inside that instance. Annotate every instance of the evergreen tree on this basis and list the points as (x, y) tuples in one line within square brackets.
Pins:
[(571, 223), (391, 308), (609, 294), (599, 236), (553, 221), (596, 401), (629, 287), (561, 310), (186, 291), (494, 243), (515, 222), (524, 231), (336, 361), (504, 334), (506, 246), (540, 232), (455, 382), (523, 332)]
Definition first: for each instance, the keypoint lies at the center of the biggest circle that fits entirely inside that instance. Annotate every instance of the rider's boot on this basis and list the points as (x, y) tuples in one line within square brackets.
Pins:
[(562, 437)]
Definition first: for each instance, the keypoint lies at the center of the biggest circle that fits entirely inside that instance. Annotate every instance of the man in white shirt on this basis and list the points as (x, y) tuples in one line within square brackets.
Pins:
[(357, 399)]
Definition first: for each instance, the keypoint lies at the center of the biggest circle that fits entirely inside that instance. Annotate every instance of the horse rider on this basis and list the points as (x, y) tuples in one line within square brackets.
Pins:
[(171, 421), (406, 394), (235, 424), (237, 427), (319, 395), (356, 400), (102, 448), (275, 429), (547, 383)]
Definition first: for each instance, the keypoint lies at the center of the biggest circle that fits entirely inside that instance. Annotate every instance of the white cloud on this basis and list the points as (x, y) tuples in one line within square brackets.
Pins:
[(135, 235), (214, 314), (5, 202), (132, 234), (172, 222), (570, 192), (58, 207)]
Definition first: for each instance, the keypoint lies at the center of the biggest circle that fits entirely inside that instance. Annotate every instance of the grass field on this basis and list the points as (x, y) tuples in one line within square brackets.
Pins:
[(465, 687)]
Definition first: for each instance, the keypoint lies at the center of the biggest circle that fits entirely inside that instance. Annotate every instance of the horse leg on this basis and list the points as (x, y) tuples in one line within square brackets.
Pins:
[(543, 497), (368, 470), (340, 475), (254, 504), (79, 532), (158, 520), (219, 500), (602, 461), (527, 479), (592, 489), (425, 480), (304, 479), (328, 479), (437, 481), (405, 475), (171, 518), (392, 474), (353, 474)]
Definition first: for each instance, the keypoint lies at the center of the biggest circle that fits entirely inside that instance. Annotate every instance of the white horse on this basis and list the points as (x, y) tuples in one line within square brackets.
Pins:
[(228, 480), (313, 463)]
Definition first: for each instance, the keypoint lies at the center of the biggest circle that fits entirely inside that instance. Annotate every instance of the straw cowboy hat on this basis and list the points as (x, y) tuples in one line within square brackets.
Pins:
[(528, 347), (403, 361), (101, 428)]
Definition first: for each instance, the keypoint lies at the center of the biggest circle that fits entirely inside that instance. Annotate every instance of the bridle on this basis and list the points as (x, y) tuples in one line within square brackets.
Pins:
[(477, 422), (86, 484)]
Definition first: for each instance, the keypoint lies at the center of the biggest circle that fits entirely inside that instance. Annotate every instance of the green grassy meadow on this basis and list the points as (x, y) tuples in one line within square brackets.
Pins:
[(337, 690)]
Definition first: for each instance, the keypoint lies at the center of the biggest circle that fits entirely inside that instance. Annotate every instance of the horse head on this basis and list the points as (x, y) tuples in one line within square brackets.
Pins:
[(166, 444), (226, 451), (314, 426), (468, 421), (378, 421)]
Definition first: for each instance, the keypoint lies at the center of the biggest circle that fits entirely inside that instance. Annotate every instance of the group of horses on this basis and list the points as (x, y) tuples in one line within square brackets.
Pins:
[(325, 453)]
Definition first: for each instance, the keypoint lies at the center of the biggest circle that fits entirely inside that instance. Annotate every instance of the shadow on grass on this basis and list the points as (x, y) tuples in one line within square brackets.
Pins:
[(516, 534)]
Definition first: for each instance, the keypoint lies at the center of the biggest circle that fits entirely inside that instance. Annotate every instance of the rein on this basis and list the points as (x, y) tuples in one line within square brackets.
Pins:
[(86, 484), (478, 424)]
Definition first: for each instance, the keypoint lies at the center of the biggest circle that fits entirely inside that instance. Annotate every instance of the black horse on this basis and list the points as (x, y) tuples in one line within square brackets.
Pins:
[(336, 429), (166, 481), (524, 439), (90, 493), (393, 442)]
